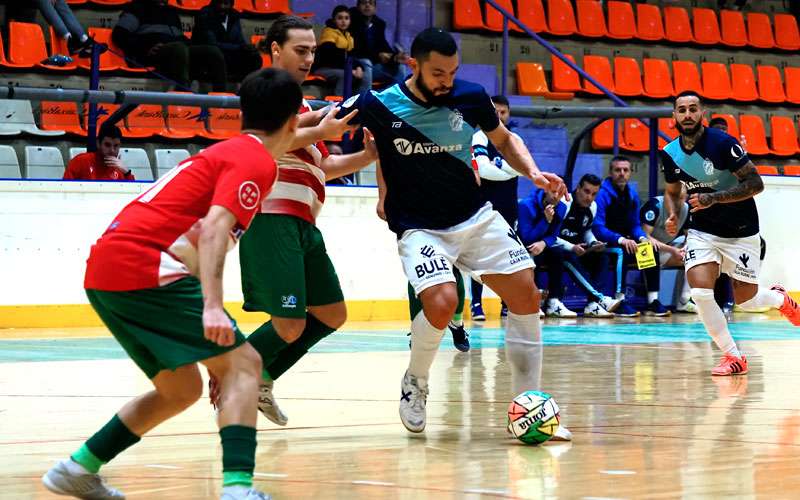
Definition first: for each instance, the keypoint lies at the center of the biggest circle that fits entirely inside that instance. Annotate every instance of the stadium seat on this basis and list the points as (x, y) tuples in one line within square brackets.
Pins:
[(767, 170), (759, 31), (494, 19), (103, 112), (146, 120), (58, 45), (752, 129), (743, 83), (531, 80), (787, 36), (43, 162), (600, 69), (16, 117), (223, 123), (565, 79), (531, 14), (269, 7), (603, 135), (73, 152), (9, 163), (686, 76), (792, 80), (667, 126), (467, 15), (716, 81), (770, 86), (189, 5), (733, 126), (649, 23), (184, 122), (793, 170), (591, 22), (167, 159), (561, 17), (636, 135), (77, 2), (677, 27), (61, 116), (706, 26), (26, 47), (627, 77), (621, 22), (732, 30), (110, 2), (657, 81), (109, 60), (783, 137), (136, 159), (266, 60)]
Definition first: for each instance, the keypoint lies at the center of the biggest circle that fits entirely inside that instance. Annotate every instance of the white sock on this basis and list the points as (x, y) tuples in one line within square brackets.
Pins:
[(651, 296), (714, 321), (457, 322), (75, 468), (763, 298), (524, 351), (84, 37), (425, 339), (236, 490), (686, 292)]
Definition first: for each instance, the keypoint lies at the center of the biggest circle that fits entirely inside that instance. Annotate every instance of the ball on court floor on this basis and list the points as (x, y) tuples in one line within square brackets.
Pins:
[(533, 417)]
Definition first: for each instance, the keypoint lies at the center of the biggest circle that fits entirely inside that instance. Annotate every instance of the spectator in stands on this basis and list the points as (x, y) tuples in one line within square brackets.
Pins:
[(581, 253), (380, 61), (335, 45), (103, 164), (219, 25), (670, 248), (150, 32), (540, 218), (617, 224), (60, 17)]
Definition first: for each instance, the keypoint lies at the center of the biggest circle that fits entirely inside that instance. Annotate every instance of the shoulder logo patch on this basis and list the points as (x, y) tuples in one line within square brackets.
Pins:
[(737, 151), (249, 195), (456, 121), (650, 216)]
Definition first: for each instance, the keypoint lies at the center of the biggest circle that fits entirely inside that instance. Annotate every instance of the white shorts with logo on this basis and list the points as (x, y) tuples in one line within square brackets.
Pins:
[(737, 257), (483, 244), (663, 257)]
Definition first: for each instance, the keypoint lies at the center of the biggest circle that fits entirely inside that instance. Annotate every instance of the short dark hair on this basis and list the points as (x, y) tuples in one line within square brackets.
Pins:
[(617, 158), (590, 179), (268, 98), (718, 120), (279, 31), (433, 40), (687, 93), (339, 8), (500, 99), (109, 130)]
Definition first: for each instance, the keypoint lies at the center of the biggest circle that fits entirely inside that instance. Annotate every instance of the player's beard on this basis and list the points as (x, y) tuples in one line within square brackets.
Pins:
[(427, 93), (688, 132)]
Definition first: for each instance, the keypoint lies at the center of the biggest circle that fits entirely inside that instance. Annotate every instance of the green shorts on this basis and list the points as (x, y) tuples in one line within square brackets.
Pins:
[(160, 328), (285, 267)]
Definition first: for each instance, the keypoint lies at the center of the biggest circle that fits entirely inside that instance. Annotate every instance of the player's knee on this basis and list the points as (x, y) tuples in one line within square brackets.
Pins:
[(334, 316), (184, 396), (289, 329), (702, 295), (440, 306)]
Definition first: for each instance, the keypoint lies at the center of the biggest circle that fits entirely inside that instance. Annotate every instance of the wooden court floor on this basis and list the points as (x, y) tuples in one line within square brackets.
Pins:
[(648, 419)]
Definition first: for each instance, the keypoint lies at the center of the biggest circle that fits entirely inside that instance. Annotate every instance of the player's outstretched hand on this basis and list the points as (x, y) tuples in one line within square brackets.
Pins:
[(553, 183), (369, 143), (333, 128), (217, 326), (700, 202)]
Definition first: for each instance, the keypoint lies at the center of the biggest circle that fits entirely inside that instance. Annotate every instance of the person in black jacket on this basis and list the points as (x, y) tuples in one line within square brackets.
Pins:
[(380, 61), (150, 33), (218, 24)]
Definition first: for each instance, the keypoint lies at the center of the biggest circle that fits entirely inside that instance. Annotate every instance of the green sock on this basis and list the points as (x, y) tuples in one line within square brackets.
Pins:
[(414, 304), (315, 331), (268, 343), (458, 319), (238, 454), (106, 444)]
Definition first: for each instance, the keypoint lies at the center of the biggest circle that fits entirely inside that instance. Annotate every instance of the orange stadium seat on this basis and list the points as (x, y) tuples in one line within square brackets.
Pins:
[(494, 19), (621, 22), (565, 79), (467, 15), (686, 76), (770, 86), (716, 81), (269, 7), (733, 126), (792, 77), (184, 122), (787, 36), (58, 45), (706, 26), (603, 135), (531, 13), (752, 129), (636, 135), (767, 170), (266, 60), (784, 136), (793, 170), (732, 30), (600, 69), (531, 80), (61, 116), (189, 5), (657, 82), (591, 21), (109, 60), (5, 62), (667, 125), (103, 112), (677, 27), (26, 46), (627, 77), (743, 83), (223, 123), (147, 120), (759, 31), (76, 2), (110, 2), (649, 23), (561, 17)]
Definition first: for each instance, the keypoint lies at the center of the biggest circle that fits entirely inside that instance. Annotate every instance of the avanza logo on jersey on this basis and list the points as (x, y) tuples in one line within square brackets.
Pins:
[(406, 147)]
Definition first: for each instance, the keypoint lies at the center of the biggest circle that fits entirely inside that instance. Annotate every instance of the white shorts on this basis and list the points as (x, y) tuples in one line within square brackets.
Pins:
[(663, 257), (483, 244), (737, 257)]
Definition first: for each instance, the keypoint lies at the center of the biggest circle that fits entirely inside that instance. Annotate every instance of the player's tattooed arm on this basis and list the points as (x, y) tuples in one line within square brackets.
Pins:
[(750, 184)]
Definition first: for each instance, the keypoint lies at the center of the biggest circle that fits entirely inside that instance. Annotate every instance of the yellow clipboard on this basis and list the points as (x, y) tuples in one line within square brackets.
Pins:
[(645, 258)]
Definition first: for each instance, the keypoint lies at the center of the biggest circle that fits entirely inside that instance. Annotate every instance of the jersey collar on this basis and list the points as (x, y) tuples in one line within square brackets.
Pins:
[(407, 91)]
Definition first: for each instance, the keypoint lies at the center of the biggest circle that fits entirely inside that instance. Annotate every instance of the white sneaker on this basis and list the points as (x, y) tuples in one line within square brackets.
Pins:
[(62, 481), (541, 313), (413, 397), (596, 310), (737, 308), (562, 434), (243, 493), (556, 309), (268, 406), (686, 307), (610, 304)]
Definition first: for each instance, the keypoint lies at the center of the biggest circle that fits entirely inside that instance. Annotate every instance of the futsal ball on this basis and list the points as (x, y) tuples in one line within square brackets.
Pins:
[(533, 417)]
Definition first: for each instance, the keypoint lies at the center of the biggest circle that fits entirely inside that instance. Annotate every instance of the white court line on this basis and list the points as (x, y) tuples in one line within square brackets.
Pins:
[(372, 483), (159, 466), (268, 474), (618, 472), (154, 490)]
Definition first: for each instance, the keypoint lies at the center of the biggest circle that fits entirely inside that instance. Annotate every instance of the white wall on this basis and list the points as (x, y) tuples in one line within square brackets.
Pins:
[(46, 229)]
